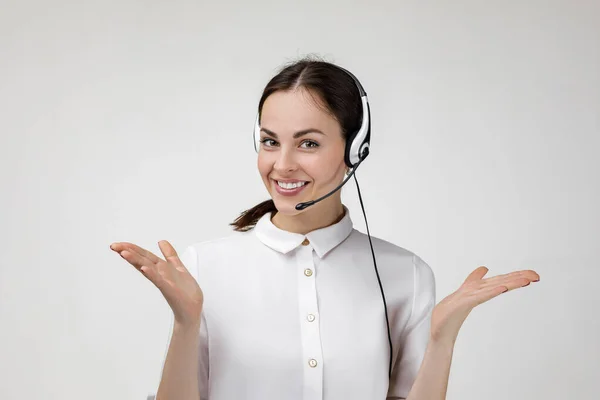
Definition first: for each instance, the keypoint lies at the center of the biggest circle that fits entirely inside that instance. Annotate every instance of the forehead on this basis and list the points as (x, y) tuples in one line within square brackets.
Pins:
[(286, 112)]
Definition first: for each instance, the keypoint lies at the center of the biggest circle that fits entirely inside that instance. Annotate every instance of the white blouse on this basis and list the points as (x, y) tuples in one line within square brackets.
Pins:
[(300, 317)]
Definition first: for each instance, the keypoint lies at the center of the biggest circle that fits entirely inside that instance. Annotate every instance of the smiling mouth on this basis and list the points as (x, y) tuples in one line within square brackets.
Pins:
[(291, 185), (289, 188)]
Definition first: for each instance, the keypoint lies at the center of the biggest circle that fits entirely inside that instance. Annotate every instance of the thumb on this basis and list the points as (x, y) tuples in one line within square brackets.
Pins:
[(169, 252), (477, 274)]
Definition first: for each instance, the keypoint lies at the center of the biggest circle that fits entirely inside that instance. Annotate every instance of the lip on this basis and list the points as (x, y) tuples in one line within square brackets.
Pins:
[(289, 192)]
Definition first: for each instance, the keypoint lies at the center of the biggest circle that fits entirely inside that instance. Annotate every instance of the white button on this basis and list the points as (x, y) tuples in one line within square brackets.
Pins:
[(312, 363), (310, 317), (308, 272)]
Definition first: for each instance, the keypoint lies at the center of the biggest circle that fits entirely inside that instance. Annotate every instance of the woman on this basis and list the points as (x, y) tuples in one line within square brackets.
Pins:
[(290, 307)]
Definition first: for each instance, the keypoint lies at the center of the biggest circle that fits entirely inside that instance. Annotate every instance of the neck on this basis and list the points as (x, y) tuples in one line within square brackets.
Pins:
[(315, 217)]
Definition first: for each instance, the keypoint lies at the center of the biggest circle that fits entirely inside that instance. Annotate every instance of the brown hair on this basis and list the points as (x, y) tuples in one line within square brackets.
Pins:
[(338, 96)]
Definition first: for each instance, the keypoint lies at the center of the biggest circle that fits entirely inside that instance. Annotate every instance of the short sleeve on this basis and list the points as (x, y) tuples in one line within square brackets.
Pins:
[(414, 338), (189, 258)]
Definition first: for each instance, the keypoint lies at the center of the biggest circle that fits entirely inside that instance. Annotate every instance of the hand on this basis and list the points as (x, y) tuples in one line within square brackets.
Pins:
[(171, 277), (449, 314)]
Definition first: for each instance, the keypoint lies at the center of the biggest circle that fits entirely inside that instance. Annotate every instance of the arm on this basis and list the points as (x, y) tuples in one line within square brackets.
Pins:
[(432, 379), (447, 317), (185, 367), (176, 278), (180, 373)]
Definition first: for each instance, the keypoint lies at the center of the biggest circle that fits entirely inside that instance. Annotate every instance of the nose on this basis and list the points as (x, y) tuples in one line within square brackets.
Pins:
[(286, 161)]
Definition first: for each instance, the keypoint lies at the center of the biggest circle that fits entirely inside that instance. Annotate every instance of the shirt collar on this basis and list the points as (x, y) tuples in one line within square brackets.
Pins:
[(322, 240)]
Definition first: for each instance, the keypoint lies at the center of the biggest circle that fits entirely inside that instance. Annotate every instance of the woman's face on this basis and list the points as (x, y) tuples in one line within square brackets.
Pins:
[(301, 154)]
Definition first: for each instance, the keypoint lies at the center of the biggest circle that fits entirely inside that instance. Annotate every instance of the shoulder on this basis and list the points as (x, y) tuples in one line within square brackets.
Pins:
[(234, 243), (393, 258), (217, 250), (224, 243), (380, 245)]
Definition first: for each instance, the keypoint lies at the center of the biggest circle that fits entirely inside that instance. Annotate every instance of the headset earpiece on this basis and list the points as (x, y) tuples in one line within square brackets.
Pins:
[(357, 144), (256, 135)]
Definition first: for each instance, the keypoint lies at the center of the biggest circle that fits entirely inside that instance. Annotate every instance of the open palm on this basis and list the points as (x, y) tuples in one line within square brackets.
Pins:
[(170, 276), (449, 314)]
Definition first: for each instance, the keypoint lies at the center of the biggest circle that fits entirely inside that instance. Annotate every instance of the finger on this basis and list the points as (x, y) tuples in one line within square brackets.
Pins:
[(137, 249), (135, 259), (517, 283), (120, 246), (531, 275), (477, 274), (484, 294), (170, 253)]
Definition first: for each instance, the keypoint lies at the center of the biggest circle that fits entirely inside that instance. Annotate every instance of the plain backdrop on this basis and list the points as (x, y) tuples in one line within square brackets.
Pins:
[(131, 121)]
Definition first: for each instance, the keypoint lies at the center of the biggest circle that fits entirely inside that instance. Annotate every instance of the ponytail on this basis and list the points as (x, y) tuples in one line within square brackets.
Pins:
[(248, 219)]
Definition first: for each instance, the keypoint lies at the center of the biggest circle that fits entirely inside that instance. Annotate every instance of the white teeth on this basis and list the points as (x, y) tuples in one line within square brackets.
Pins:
[(290, 185)]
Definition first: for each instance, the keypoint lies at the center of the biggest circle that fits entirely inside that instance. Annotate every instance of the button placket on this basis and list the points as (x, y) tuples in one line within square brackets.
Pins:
[(309, 323)]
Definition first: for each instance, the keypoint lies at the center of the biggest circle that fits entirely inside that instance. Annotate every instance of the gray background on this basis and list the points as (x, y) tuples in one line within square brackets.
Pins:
[(131, 121)]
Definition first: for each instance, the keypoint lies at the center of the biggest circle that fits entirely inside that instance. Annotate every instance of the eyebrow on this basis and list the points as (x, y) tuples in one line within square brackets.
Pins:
[(296, 135)]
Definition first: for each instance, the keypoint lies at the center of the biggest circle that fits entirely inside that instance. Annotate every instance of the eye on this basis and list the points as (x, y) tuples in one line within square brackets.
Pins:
[(310, 143), (268, 142)]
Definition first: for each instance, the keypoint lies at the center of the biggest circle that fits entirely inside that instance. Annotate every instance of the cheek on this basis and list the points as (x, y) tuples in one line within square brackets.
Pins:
[(323, 170), (264, 166)]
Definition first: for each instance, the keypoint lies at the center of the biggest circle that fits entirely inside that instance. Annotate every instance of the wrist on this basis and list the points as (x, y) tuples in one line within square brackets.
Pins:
[(447, 341), (186, 326)]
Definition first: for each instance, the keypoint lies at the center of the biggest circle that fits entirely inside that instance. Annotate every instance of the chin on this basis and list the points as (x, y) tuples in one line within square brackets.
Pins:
[(287, 206)]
